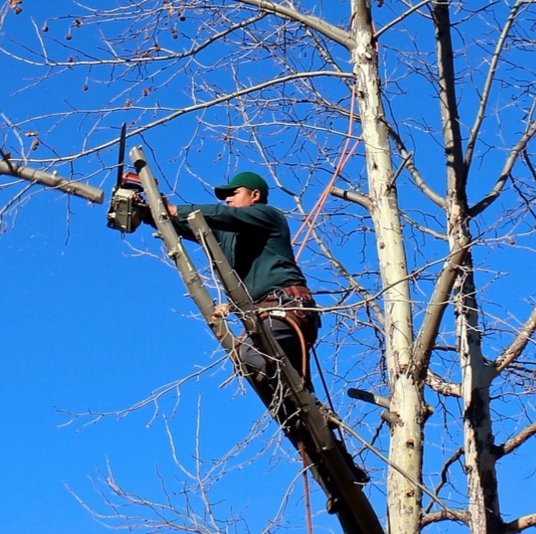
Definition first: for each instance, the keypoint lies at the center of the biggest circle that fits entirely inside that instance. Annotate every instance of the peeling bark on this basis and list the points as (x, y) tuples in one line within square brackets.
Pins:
[(476, 374), (480, 460)]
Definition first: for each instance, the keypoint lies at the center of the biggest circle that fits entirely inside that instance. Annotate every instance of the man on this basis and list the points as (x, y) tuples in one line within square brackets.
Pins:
[(255, 239)]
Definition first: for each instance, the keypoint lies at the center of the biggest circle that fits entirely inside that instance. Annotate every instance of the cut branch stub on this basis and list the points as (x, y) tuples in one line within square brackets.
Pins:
[(77, 189)]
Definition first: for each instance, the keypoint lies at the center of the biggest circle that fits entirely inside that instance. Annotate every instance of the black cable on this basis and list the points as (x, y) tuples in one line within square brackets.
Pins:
[(325, 386)]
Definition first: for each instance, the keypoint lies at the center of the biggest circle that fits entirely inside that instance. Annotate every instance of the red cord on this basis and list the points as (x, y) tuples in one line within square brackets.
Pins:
[(306, 491), (343, 160)]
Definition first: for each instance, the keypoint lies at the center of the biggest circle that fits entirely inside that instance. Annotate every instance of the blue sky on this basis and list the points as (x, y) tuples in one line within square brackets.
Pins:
[(87, 330), (89, 323)]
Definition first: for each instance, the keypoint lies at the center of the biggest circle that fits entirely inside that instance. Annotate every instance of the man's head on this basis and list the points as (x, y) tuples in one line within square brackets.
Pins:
[(245, 189)]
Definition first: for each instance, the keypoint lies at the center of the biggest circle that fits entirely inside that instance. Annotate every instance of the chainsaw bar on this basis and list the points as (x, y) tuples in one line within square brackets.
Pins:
[(121, 160)]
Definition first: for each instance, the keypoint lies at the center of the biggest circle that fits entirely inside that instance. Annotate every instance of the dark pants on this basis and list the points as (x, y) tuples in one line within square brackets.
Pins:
[(288, 339)]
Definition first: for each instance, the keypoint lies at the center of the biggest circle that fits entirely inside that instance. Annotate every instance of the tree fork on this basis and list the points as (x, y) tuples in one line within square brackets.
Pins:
[(476, 374)]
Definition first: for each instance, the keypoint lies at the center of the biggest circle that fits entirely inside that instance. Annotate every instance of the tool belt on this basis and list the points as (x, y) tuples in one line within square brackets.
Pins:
[(293, 297)]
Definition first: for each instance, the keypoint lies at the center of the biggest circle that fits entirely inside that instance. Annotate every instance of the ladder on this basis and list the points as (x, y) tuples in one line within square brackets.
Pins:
[(304, 420)]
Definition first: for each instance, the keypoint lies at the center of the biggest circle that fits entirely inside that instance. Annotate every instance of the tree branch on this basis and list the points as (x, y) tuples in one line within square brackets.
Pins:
[(329, 30), (487, 87), (436, 308), (400, 18), (518, 344), (516, 441), (362, 200), (451, 513), (205, 105), (454, 458), (447, 100), (53, 181), (137, 60), (414, 172), (446, 515), (521, 523), (449, 389), (480, 206)]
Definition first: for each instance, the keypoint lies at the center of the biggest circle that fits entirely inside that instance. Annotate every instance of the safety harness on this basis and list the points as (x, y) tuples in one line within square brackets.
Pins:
[(296, 306)]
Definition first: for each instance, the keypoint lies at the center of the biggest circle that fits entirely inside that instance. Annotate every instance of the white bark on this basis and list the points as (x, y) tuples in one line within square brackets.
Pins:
[(404, 499), (478, 437), (476, 375)]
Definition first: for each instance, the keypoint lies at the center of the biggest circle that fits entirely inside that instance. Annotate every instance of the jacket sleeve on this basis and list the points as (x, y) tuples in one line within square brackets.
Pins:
[(224, 218)]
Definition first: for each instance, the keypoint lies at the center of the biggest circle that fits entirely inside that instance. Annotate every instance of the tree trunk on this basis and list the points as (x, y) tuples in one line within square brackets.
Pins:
[(476, 375), (478, 437), (404, 497)]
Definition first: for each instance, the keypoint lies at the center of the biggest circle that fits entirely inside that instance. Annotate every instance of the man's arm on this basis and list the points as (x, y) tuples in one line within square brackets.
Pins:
[(220, 217), (172, 209), (228, 219)]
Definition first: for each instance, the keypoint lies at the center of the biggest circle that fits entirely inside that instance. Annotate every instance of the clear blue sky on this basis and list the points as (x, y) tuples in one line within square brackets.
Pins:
[(87, 323)]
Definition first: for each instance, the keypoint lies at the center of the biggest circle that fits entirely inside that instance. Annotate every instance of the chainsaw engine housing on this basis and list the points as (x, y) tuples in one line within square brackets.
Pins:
[(125, 207)]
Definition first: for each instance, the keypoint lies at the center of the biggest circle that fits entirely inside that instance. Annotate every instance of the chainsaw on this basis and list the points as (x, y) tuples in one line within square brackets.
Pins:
[(127, 204)]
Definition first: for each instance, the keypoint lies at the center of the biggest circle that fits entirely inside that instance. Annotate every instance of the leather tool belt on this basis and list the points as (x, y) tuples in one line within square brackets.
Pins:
[(295, 297)]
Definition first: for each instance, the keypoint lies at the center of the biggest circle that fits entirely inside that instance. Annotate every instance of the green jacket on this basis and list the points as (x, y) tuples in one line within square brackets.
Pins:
[(256, 241)]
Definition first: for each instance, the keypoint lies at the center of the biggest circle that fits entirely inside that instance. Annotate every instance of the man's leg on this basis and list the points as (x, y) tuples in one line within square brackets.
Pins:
[(289, 341)]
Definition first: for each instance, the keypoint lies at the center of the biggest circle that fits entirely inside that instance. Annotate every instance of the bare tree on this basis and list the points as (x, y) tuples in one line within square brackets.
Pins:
[(419, 119)]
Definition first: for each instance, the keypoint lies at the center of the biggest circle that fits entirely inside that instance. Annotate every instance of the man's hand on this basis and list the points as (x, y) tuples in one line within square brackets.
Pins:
[(145, 214), (171, 208), (221, 310), (147, 217)]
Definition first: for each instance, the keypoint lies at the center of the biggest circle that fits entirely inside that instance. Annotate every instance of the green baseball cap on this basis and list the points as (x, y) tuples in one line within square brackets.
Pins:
[(251, 180)]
